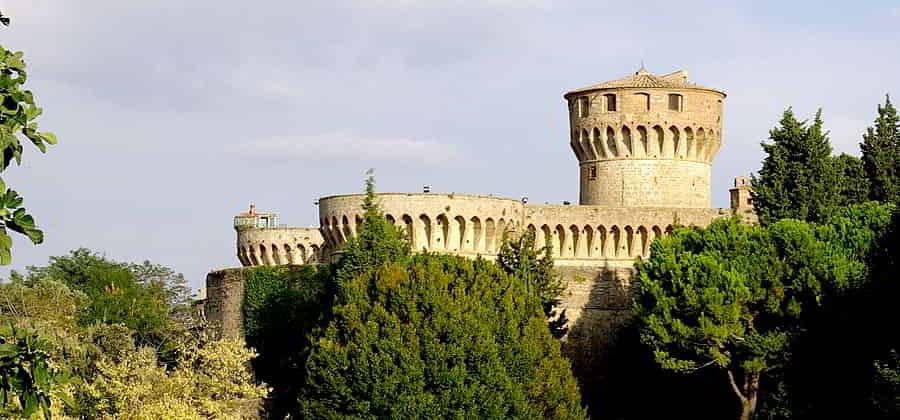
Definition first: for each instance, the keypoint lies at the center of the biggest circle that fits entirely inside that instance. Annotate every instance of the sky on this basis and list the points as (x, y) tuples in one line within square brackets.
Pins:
[(173, 116)]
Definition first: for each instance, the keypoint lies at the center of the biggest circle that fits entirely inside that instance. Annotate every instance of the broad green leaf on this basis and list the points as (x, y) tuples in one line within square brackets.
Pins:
[(49, 137)]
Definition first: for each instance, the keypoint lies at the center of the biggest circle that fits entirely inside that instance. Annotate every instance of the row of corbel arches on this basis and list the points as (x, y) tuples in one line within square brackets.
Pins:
[(609, 142), (279, 254), (597, 242), (441, 233)]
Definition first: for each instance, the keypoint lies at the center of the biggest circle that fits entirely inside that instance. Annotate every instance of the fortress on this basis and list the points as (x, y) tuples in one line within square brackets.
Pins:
[(644, 145)]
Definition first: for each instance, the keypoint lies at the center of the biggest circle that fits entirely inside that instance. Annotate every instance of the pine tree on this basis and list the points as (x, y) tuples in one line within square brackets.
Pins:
[(376, 243), (881, 154), (798, 178), (438, 337), (733, 297), (519, 258)]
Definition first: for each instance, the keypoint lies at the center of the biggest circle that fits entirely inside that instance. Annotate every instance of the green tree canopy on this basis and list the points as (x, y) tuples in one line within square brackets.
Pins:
[(281, 308), (881, 154), (534, 267), (376, 243), (798, 179), (853, 183), (150, 299), (732, 297), (438, 337)]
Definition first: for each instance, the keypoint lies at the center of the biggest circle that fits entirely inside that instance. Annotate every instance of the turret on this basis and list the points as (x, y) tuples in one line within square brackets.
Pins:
[(645, 140), (741, 200)]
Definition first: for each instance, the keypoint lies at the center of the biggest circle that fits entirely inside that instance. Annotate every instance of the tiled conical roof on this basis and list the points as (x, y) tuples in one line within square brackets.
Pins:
[(644, 79)]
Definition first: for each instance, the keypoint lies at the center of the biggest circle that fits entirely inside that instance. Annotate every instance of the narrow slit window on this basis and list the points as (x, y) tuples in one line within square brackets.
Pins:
[(592, 173), (584, 108)]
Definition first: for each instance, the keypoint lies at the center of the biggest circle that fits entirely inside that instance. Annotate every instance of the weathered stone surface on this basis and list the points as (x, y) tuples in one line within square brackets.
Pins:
[(224, 295)]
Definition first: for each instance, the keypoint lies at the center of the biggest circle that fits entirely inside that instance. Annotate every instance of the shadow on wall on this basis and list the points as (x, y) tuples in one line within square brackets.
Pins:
[(616, 373)]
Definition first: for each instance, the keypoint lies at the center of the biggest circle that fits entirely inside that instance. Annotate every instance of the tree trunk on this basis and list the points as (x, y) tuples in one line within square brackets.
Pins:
[(746, 393)]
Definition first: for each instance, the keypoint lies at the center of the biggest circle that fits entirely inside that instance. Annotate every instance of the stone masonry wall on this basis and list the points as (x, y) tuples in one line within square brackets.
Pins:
[(277, 246), (646, 183), (224, 296)]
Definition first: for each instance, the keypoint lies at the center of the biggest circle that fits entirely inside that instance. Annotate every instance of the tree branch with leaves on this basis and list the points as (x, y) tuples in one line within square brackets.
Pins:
[(18, 121)]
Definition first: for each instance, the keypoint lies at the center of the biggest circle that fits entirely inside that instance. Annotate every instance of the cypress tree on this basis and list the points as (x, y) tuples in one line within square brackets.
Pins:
[(853, 186), (376, 243), (798, 179), (881, 154)]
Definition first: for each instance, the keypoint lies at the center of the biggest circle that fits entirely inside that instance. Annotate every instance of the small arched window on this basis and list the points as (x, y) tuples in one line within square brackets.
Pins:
[(584, 106), (610, 102), (676, 102), (643, 100), (592, 173)]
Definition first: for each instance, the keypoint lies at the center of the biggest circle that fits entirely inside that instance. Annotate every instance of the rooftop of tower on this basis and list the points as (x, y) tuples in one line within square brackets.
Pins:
[(644, 79)]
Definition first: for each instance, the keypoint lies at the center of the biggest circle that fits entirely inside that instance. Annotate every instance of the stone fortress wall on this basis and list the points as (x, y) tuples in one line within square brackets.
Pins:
[(461, 224), (644, 145), (279, 246), (472, 225)]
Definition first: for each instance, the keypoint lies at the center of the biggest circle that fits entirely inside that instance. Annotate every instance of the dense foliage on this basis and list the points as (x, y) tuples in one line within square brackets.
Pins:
[(210, 381), (853, 185), (534, 267), (733, 297), (377, 242), (149, 299), (798, 178), (440, 337), (281, 307), (842, 366), (117, 344), (384, 334), (26, 374), (764, 305), (881, 154)]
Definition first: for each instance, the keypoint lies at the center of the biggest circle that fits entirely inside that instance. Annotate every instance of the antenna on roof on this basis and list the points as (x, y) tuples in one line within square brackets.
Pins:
[(641, 70)]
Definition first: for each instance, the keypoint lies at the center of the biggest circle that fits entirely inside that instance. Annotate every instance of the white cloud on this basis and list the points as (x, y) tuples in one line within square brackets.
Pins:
[(343, 146)]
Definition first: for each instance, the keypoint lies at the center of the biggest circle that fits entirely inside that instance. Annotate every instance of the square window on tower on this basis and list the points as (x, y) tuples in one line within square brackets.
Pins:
[(675, 102)]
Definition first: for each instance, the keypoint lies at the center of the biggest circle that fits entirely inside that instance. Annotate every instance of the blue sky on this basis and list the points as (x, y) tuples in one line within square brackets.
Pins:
[(173, 116)]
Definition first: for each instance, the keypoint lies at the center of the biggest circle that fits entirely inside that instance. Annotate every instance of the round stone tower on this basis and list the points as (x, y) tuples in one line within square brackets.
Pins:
[(646, 140)]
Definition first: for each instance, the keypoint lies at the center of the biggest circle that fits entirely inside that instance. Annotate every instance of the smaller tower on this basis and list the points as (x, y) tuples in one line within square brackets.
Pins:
[(252, 219), (741, 201)]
